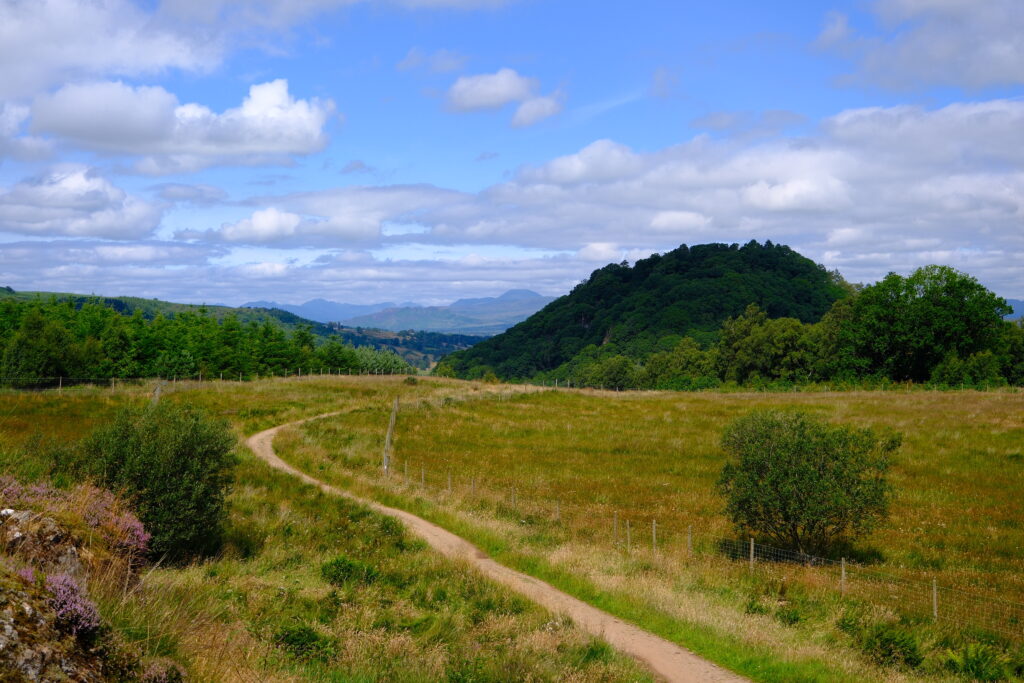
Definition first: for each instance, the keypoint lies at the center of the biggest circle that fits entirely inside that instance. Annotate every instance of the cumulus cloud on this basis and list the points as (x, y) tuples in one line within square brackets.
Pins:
[(332, 218), (537, 109), (505, 86), (490, 91), (934, 42), (267, 225), (45, 42), (114, 118), (75, 201)]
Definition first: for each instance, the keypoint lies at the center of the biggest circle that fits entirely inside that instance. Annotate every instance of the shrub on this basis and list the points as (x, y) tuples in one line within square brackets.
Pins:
[(790, 616), (978, 661), (891, 645), (302, 642), (803, 483), (175, 464), (341, 570), (76, 614)]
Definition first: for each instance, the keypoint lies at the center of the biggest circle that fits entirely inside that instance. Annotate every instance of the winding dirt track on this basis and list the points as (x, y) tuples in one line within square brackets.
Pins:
[(667, 660)]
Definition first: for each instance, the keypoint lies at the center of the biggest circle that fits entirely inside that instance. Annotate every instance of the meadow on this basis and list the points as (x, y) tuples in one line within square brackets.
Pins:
[(549, 480), (308, 587)]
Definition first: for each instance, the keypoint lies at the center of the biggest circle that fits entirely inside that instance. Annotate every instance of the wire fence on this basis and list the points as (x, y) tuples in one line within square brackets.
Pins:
[(920, 597)]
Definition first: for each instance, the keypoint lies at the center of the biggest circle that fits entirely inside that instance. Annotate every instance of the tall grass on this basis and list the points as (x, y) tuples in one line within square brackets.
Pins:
[(264, 611), (541, 479)]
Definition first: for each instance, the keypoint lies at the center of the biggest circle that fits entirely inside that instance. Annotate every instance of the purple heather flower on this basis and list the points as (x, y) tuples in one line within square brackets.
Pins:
[(74, 610)]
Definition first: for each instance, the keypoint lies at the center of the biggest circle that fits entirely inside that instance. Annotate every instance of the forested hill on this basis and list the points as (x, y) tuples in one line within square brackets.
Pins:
[(689, 291), (421, 349)]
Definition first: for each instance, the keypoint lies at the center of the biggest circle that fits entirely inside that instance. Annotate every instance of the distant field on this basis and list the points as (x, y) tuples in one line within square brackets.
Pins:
[(548, 474)]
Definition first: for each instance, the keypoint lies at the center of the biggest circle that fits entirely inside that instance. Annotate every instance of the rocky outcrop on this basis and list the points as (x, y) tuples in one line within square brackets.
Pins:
[(39, 541), (33, 646)]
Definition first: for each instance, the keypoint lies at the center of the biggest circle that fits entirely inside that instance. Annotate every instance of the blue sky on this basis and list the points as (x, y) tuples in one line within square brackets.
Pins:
[(427, 150)]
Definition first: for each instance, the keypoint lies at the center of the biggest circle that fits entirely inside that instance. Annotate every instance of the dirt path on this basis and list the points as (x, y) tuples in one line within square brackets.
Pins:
[(667, 660)]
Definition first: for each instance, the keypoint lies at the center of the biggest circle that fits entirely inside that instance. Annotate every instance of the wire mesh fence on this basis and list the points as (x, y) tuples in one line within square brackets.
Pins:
[(919, 597)]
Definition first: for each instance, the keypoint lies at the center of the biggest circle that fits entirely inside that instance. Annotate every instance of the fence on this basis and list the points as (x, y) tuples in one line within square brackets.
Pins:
[(917, 597)]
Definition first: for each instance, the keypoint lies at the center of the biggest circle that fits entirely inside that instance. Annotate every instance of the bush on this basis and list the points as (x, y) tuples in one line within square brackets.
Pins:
[(76, 613), (802, 483), (302, 642), (341, 570), (175, 464), (891, 645)]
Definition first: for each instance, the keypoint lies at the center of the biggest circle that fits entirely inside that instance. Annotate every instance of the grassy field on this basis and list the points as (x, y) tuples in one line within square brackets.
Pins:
[(266, 611), (548, 481)]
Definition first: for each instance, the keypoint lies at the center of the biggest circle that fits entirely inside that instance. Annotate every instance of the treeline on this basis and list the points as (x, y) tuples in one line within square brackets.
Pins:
[(55, 339), (937, 326)]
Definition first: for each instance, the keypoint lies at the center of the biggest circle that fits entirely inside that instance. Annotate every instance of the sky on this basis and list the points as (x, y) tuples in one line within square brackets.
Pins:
[(426, 150)]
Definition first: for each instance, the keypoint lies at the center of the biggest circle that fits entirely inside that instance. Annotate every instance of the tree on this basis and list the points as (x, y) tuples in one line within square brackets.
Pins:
[(175, 463), (904, 327), (802, 483)]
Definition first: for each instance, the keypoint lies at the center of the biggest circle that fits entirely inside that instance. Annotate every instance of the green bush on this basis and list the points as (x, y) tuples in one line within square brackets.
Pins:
[(802, 483), (978, 661), (891, 645), (342, 570), (302, 642), (175, 463)]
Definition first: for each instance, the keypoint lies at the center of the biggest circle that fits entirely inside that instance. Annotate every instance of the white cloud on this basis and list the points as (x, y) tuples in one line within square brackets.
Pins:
[(114, 118), (334, 218), (537, 109), (45, 42), (75, 201), (600, 160), (490, 91), (935, 42), (683, 223), (600, 252), (266, 225), (13, 143)]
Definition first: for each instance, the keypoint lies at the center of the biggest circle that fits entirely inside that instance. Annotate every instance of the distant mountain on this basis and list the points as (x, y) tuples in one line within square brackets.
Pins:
[(1018, 308), (484, 316), (687, 291), (325, 311)]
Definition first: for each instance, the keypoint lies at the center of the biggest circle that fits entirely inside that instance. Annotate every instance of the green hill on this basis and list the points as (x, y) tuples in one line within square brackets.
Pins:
[(689, 291), (420, 349)]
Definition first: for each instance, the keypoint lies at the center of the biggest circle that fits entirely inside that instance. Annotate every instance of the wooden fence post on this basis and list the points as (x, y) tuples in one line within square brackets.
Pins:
[(751, 554), (387, 438)]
